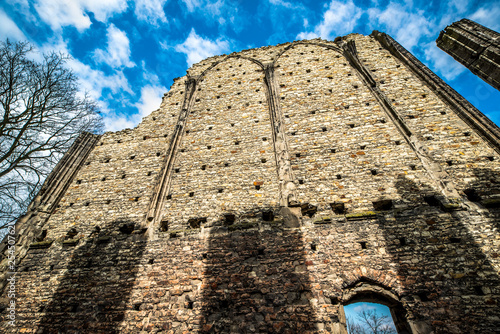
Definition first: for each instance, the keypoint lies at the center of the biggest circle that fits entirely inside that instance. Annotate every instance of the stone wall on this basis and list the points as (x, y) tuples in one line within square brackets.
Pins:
[(474, 46), (272, 187)]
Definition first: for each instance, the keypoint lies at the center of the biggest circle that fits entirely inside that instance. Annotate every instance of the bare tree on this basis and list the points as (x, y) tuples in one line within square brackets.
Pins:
[(353, 327), (370, 322), (43, 113)]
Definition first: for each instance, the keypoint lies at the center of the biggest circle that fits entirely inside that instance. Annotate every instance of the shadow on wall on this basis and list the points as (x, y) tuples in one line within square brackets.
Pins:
[(256, 282), (450, 285), (92, 296), (485, 191)]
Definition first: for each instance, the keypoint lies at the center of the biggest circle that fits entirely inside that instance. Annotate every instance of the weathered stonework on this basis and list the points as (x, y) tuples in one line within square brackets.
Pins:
[(474, 46), (272, 187)]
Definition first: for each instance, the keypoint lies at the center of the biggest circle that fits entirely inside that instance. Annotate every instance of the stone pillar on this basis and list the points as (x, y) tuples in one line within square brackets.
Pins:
[(474, 46), (29, 226), (281, 152), (154, 214), (60, 178)]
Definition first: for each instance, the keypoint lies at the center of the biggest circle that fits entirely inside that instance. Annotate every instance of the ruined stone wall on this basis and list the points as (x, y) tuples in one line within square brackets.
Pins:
[(474, 46), (272, 187), (227, 148)]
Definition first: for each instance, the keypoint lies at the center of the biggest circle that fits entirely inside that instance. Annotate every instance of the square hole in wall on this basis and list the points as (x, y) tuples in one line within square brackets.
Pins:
[(382, 205), (472, 195), (432, 200), (338, 208), (196, 222), (267, 215), (229, 219)]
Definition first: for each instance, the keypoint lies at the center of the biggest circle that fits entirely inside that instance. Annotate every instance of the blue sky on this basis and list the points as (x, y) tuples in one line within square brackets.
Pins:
[(127, 53), (352, 310)]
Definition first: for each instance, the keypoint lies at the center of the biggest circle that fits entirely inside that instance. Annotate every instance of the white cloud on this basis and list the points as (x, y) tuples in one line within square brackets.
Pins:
[(363, 307), (165, 46), (442, 62), (8, 29), (459, 6), (23, 7), (406, 25), (95, 82), (192, 4), (417, 31), (488, 16), (339, 19), (60, 13), (281, 3), (150, 100), (23, 4), (307, 35), (148, 76), (150, 11), (104, 9), (213, 10), (118, 50), (114, 122), (401, 23), (198, 48)]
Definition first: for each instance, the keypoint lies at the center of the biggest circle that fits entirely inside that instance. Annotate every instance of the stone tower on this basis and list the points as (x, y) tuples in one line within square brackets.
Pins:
[(272, 187), (474, 46)]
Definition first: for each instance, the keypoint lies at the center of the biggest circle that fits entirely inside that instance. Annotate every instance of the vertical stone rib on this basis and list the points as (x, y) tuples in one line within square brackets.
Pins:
[(435, 171), (154, 214), (63, 174), (287, 193), (55, 186), (483, 126)]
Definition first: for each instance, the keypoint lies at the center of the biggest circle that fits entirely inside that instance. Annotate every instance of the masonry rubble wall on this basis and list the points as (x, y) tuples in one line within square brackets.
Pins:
[(474, 46), (272, 187)]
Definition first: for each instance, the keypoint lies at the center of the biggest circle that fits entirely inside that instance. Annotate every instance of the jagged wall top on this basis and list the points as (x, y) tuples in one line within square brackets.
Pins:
[(262, 55), (265, 54)]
